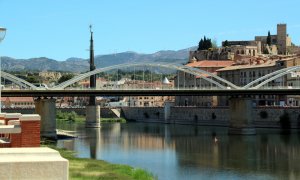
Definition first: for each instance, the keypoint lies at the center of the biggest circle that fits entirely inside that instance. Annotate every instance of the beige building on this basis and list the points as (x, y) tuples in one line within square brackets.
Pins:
[(17, 102), (184, 80), (242, 75), (149, 101)]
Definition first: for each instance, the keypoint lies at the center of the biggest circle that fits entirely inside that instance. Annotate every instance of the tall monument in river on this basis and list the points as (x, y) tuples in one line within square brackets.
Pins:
[(92, 110)]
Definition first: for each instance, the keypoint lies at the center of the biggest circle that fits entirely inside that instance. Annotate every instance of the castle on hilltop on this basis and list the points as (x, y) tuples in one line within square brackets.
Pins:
[(281, 39), (280, 44)]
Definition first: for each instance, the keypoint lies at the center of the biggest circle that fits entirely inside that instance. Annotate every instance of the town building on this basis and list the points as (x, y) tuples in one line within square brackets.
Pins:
[(184, 80), (125, 83), (243, 74), (246, 61), (149, 101), (17, 102)]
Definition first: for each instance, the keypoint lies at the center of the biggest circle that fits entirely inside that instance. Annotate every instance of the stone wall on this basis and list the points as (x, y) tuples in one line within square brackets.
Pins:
[(211, 116), (144, 114), (199, 116), (179, 115), (273, 116)]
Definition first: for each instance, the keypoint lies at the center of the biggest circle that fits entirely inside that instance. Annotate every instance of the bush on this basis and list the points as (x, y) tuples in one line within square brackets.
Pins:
[(61, 115), (72, 116), (263, 114)]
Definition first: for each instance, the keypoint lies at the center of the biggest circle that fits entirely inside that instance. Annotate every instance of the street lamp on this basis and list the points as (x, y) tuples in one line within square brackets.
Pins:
[(2, 36)]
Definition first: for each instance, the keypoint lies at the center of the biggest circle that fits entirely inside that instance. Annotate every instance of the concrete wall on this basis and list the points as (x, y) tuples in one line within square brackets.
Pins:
[(210, 116), (33, 163)]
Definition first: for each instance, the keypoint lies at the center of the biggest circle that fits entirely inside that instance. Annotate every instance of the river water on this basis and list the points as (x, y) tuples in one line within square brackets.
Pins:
[(190, 152)]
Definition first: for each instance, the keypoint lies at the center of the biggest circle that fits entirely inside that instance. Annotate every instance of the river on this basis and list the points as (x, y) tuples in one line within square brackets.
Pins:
[(190, 152)]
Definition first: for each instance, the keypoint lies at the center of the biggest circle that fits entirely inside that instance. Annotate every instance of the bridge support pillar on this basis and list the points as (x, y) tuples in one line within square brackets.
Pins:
[(47, 110), (241, 119), (167, 111), (92, 116)]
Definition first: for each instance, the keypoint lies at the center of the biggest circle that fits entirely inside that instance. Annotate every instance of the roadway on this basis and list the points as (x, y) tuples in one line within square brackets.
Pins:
[(147, 92)]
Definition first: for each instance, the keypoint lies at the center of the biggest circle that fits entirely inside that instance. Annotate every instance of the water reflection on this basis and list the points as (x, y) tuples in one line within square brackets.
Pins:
[(189, 152), (93, 141)]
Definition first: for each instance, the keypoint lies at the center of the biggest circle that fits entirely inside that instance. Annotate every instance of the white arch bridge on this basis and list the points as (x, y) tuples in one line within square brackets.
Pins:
[(183, 75), (204, 84)]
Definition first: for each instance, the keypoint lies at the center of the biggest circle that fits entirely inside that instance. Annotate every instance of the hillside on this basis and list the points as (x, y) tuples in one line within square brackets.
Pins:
[(80, 65)]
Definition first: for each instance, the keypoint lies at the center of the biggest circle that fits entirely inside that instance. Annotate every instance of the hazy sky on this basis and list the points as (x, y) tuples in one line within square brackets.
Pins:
[(58, 29)]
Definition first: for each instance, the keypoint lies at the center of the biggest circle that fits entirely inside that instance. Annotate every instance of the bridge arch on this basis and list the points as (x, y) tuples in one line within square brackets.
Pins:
[(190, 70), (18, 81), (270, 77)]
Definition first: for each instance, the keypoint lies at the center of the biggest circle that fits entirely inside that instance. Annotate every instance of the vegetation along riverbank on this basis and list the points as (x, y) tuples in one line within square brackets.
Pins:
[(89, 169), (74, 117)]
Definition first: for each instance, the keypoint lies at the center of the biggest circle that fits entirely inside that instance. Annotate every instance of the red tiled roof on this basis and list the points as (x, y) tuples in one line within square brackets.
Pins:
[(210, 63)]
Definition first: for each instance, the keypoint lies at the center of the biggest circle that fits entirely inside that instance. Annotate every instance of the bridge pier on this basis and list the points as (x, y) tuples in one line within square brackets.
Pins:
[(92, 116), (167, 111), (241, 119), (47, 110)]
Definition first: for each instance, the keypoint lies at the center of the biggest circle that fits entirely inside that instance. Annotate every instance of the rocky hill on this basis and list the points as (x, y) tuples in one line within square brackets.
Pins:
[(80, 65)]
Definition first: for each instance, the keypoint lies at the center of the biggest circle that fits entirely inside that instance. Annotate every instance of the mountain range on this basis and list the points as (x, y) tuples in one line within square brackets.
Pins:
[(81, 65)]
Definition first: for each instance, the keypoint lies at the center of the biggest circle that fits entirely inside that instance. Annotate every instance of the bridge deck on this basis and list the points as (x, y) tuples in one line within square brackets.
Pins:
[(141, 92)]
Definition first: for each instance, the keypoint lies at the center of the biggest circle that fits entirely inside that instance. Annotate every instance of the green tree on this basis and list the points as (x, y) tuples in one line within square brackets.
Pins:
[(33, 79), (72, 116), (225, 44), (205, 44), (269, 38), (65, 77)]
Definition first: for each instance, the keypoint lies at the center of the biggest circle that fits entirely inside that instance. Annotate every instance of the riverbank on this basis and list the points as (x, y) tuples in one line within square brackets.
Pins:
[(74, 117), (83, 168)]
